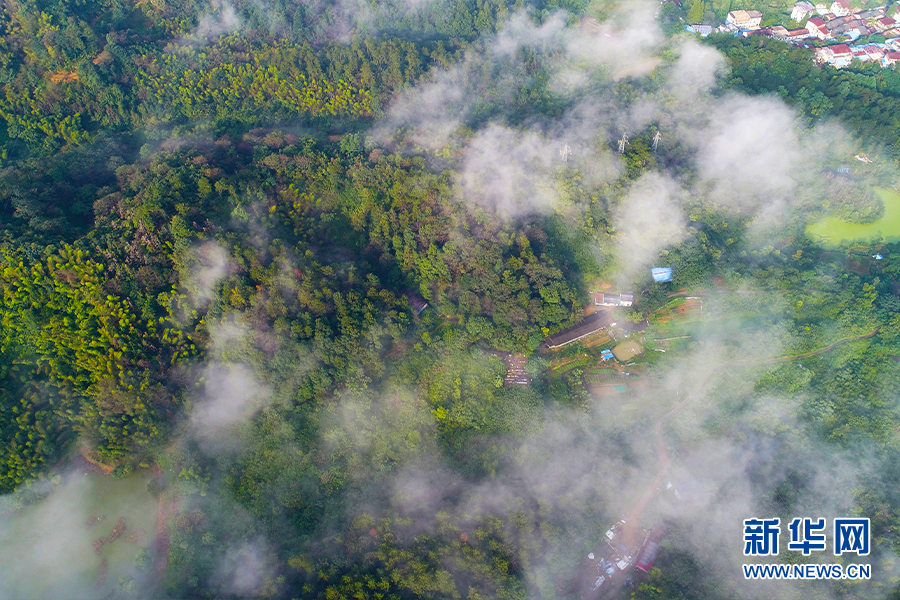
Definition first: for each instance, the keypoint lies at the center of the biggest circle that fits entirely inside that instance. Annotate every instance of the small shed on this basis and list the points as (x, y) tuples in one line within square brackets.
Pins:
[(648, 557), (416, 303), (661, 274)]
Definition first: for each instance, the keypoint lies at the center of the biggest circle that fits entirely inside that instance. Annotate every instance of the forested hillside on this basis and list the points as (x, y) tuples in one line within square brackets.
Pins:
[(274, 257)]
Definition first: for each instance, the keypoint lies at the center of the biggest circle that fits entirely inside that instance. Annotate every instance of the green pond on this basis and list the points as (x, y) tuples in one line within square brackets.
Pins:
[(47, 548), (831, 232)]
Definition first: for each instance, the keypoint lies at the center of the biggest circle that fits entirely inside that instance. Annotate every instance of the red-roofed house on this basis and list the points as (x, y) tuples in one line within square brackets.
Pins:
[(884, 23), (842, 56), (890, 58), (816, 28), (874, 52), (838, 55), (797, 34)]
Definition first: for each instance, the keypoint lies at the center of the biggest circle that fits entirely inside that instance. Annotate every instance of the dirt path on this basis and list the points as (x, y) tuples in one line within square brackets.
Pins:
[(87, 456), (631, 531), (639, 69), (164, 509)]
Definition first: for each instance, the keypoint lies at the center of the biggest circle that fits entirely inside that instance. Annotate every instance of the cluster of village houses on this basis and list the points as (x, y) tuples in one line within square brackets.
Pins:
[(835, 22)]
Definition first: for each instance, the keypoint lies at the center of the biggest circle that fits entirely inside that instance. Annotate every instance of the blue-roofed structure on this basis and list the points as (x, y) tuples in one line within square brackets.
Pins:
[(703, 30), (661, 274)]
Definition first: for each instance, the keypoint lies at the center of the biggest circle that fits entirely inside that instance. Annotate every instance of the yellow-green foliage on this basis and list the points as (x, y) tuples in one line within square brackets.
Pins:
[(221, 90), (60, 327), (59, 311)]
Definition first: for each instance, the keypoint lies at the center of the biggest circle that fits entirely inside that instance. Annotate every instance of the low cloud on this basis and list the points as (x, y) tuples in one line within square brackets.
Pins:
[(231, 395), (204, 267), (695, 72), (510, 171), (750, 152), (649, 219), (46, 548), (222, 19), (245, 568)]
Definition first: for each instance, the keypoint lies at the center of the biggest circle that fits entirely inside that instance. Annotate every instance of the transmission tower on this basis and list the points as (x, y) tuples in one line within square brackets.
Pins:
[(656, 139), (565, 152), (622, 143)]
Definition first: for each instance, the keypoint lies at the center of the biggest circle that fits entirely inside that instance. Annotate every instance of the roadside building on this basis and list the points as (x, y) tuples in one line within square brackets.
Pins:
[(650, 549), (796, 35), (841, 55), (747, 20), (802, 10), (601, 299), (821, 8)]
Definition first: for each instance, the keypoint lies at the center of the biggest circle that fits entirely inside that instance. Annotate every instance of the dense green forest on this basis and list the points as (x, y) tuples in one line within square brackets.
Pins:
[(216, 239)]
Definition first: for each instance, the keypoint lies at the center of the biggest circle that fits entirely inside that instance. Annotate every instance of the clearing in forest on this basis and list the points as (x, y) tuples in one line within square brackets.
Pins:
[(627, 350)]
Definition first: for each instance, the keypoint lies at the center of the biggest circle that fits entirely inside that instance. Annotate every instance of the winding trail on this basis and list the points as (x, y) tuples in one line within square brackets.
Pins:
[(107, 469), (631, 529)]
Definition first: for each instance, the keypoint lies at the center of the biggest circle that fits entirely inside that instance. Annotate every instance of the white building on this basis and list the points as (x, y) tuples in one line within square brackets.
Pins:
[(816, 28), (748, 20), (802, 10), (840, 8)]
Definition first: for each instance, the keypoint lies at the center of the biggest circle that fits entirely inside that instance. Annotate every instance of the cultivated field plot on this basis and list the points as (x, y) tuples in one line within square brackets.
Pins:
[(627, 350)]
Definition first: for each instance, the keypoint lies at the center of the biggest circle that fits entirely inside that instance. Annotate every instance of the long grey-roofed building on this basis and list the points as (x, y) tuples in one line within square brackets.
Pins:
[(588, 325)]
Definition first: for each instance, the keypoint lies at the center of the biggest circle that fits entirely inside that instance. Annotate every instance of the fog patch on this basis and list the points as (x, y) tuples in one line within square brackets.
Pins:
[(695, 72), (750, 152), (203, 268), (648, 220), (231, 395), (222, 19), (245, 568)]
